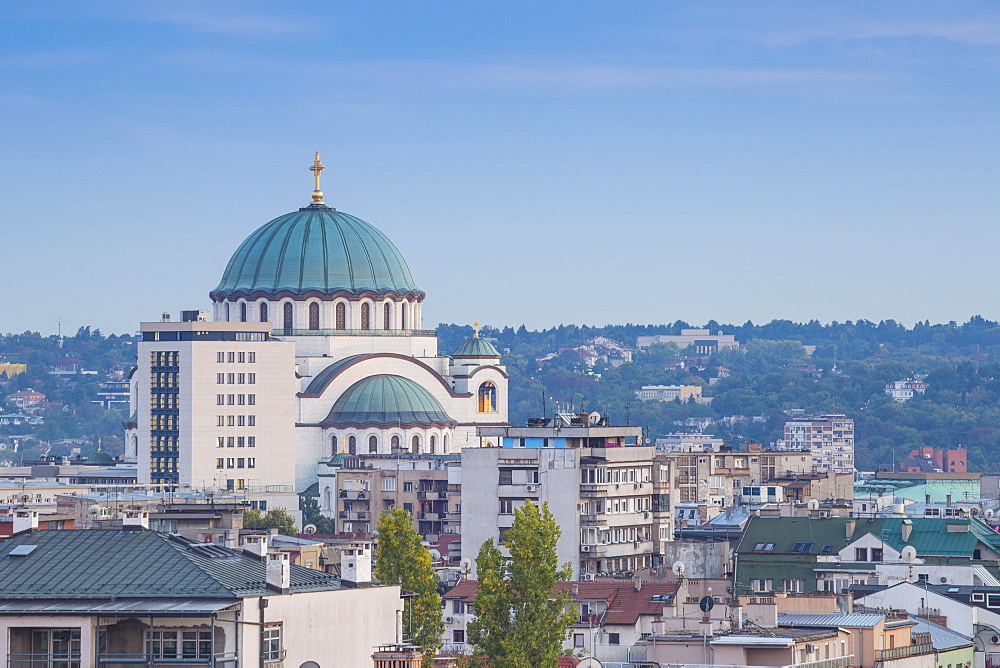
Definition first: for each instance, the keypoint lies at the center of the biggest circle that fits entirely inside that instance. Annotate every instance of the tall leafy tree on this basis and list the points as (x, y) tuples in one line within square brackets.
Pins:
[(521, 617), (401, 559)]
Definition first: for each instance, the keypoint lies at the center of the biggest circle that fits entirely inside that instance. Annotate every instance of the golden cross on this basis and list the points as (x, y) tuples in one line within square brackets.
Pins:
[(316, 169), (475, 325)]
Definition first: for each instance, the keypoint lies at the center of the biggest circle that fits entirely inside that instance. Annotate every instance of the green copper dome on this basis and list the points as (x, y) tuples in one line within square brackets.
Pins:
[(316, 249), (477, 347), (386, 400)]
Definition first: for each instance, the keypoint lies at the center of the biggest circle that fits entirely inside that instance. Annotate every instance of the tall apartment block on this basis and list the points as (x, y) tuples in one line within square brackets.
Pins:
[(830, 438), (599, 481), (217, 409)]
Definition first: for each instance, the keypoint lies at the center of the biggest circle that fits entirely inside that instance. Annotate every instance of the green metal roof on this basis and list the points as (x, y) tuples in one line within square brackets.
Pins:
[(477, 347), (98, 564), (316, 249), (386, 400), (100, 458)]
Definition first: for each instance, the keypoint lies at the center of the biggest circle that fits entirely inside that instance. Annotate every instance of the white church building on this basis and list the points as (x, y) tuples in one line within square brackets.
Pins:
[(314, 346)]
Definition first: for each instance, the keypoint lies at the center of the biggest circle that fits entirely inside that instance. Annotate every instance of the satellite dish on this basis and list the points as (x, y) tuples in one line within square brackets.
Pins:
[(813, 504), (678, 568), (435, 555), (595, 418), (94, 509), (465, 565), (25, 498), (309, 528), (989, 512), (909, 554), (589, 662)]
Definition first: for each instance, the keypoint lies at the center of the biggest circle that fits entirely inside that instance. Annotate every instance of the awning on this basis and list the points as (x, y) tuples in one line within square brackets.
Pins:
[(124, 607)]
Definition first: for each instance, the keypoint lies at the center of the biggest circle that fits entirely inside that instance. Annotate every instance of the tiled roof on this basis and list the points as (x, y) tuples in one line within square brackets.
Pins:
[(625, 603), (97, 564)]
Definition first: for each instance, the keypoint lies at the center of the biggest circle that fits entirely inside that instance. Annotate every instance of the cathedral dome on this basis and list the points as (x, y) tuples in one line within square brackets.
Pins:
[(316, 249), (387, 400), (477, 347)]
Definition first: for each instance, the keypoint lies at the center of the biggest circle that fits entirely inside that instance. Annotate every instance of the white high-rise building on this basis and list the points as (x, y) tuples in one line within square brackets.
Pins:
[(329, 309), (830, 438)]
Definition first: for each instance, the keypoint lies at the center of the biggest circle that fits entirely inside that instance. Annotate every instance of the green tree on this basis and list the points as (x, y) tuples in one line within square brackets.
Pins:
[(273, 519), (402, 559), (312, 515), (521, 616)]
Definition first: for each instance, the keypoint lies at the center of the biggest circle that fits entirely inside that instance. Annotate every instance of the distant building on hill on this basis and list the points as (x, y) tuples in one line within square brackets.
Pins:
[(703, 341), (830, 438), (926, 459), (904, 390), (682, 393)]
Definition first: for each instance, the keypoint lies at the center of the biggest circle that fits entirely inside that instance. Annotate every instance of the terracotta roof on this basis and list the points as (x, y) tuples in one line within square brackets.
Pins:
[(625, 603)]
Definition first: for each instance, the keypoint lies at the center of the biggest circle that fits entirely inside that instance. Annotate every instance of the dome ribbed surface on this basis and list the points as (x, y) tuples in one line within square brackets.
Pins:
[(387, 400), (477, 347), (316, 249)]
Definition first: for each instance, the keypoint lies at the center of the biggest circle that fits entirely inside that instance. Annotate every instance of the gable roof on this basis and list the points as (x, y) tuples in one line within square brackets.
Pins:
[(98, 564)]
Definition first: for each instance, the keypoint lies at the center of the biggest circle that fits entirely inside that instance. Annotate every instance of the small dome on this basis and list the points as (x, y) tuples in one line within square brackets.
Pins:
[(316, 249), (100, 458), (387, 400), (477, 347)]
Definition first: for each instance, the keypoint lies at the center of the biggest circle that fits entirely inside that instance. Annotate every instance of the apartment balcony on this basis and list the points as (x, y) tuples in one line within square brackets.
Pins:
[(592, 550), (592, 490), (593, 519), (432, 516), (353, 516), (353, 494), (432, 496), (74, 660), (921, 645)]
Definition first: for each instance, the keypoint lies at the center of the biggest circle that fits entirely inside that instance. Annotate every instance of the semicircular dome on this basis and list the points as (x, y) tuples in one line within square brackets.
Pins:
[(316, 249), (477, 347), (387, 400)]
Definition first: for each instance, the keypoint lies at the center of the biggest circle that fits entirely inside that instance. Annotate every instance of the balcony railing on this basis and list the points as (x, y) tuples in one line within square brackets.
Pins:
[(354, 332), (144, 661), (353, 515), (902, 652)]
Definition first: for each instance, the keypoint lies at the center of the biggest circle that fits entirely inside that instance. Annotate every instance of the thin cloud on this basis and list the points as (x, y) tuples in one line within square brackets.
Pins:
[(55, 59), (210, 19), (974, 33)]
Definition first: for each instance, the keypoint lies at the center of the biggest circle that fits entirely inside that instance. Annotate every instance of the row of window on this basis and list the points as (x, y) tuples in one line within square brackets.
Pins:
[(165, 401), (340, 315), (235, 420), (237, 441), (164, 422), (235, 378), (349, 445), (236, 400), (601, 475), (164, 358), (236, 462), (238, 358)]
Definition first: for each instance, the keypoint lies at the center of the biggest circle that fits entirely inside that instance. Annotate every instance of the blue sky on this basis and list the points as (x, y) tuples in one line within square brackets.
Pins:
[(536, 163)]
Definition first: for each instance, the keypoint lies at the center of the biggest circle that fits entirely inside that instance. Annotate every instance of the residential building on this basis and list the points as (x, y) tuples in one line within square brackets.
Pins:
[(702, 340), (928, 459), (829, 437), (26, 399), (681, 393), (903, 390), (114, 394), (136, 597), (596, 479)]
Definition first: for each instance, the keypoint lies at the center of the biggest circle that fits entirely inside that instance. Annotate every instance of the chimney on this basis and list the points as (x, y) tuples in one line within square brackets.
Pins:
[(850, 525), (947, 500), (255, 544), (135, 520), (637, 582), (904, 530), (927, 499), (356, 565), (575, 589), (278, 572), (165, 317), (24, 520)]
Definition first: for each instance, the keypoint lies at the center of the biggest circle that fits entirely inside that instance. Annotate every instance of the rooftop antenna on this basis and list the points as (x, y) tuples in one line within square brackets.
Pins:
[(628, 406), (545, 409)]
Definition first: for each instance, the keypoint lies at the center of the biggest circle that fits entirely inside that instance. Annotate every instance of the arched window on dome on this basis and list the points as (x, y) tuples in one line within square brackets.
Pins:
[(288, 322), (434, 440), (314, 315), (263, 312), (327, 500), (372, 443), (341, 315), (394, 444), (488, 397), (366, 316), (402, 315), (415, 445), (352, 445), (444, 443), (243, 311), (385, 316), (333, 445)]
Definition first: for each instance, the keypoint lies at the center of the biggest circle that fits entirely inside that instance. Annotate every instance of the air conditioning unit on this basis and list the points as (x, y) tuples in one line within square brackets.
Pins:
[(531, 488), (449, 620), (995, 640), (585, 548), (636, 486), (589, 577)]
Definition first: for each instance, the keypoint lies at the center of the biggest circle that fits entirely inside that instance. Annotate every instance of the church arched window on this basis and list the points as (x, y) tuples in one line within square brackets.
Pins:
[(314, 315), (415, 445), (327, 499), (288, 321), (263, 312), (352, 445), (434, 440), (444, 443), (373, 443), (366, 316), (243, 311), (385, 316), (341, 316), (488, 397), (402, 314), (333, 445), (394, 444)]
